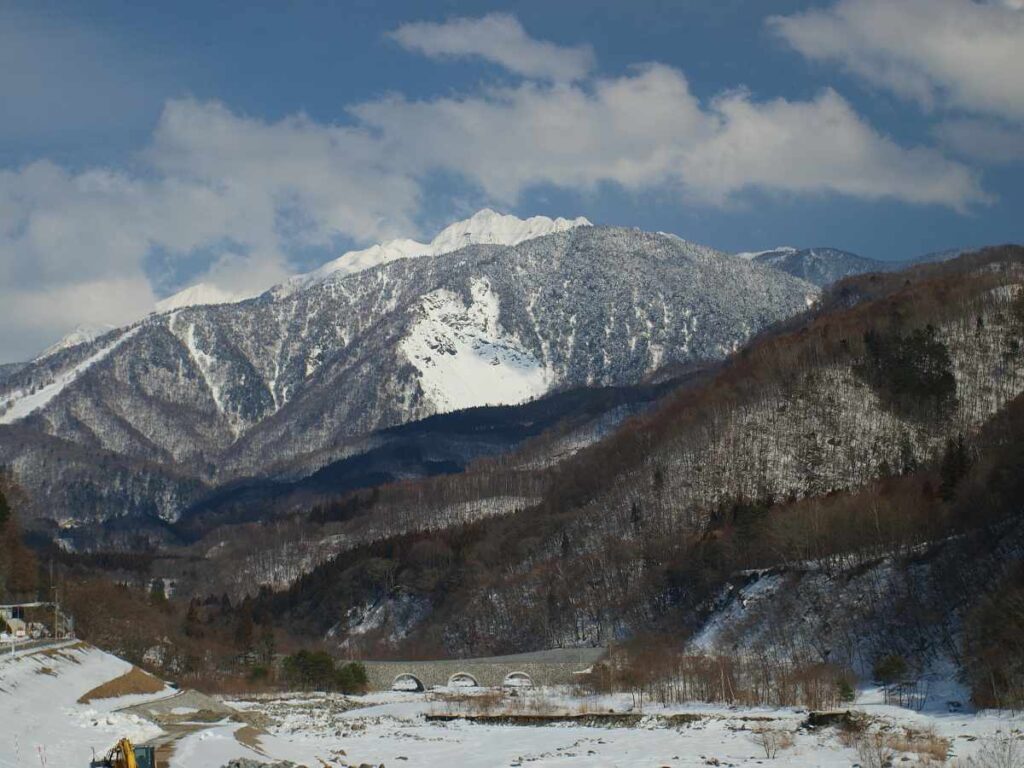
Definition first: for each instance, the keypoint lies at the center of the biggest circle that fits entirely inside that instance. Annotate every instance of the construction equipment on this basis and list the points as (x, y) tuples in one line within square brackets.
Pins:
[(125, 755)]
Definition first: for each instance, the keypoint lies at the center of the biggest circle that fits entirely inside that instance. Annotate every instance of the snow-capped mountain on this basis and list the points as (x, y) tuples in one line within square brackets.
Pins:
[(484, 227), (149, 418)]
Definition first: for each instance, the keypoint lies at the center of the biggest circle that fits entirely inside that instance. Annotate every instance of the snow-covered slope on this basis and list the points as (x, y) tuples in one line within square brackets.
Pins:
[(18, 403), (464, 357)]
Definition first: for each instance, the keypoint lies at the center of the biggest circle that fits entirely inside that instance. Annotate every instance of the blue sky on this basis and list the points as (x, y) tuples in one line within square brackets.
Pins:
[(147, 146)]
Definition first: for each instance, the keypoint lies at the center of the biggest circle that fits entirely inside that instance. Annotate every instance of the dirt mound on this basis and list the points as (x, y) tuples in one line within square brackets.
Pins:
[(134, 680)]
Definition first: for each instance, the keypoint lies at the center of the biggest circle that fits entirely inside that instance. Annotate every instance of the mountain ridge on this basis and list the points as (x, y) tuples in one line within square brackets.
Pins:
[(217, 392)]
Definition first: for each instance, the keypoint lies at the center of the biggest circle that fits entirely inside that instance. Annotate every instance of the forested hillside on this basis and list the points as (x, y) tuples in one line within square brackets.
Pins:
[(879, 425)]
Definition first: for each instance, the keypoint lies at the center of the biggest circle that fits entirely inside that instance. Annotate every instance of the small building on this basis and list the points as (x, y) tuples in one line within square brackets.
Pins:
[(17, 628)]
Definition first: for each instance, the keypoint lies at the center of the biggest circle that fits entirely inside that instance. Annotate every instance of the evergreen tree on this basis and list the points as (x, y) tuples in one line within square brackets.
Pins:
[(956, 462), (193, 625)]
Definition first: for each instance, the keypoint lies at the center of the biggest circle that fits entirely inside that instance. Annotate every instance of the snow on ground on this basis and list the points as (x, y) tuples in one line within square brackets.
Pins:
[(710, 635), (391, 728), (42, 722), (20, 404), (464, 357)]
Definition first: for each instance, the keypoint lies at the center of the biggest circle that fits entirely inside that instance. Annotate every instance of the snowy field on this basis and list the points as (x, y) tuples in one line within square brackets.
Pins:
[(42, 723), (392, 729)]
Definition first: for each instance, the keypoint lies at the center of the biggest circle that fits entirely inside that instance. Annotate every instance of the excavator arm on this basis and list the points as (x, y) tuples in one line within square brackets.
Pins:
[(127, 754), (123, 755)]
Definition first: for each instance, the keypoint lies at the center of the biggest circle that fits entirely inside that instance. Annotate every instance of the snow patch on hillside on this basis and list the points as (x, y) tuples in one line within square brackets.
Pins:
[(21, 403), (465, 359)]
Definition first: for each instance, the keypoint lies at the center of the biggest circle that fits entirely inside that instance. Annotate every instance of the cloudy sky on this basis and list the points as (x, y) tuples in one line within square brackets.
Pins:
[(143, 149)]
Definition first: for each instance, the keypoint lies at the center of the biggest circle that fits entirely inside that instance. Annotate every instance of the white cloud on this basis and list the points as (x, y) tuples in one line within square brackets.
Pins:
[(335, 180), (647, 129), (244, 195), (500, 38), (949, 53), (819, 146)]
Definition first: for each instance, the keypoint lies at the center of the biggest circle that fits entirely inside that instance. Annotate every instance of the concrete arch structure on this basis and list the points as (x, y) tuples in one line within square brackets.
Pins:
[(560, 666), (463, 680), (407, 681), (517, 679)]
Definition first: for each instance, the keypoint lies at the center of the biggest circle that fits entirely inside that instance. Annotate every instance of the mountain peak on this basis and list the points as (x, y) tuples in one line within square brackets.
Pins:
[(197, 295), (489, 226), (486, 226)]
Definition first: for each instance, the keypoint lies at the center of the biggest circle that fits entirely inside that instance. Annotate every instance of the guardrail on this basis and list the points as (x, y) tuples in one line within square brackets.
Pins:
[(20, 648)]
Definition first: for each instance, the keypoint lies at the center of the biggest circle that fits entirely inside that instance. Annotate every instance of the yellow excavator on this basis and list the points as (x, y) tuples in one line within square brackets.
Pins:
[(126, 755)]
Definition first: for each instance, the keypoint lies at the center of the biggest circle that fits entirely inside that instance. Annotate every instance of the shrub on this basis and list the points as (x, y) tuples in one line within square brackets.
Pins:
[(1007, 752), (772, 740), (317, 670), (874, 751), (351, 678), (846, 692)]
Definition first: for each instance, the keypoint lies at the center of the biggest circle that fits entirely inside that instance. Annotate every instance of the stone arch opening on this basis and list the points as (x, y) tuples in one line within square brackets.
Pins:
[(462, 680), (407, 681), (518, 680)]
